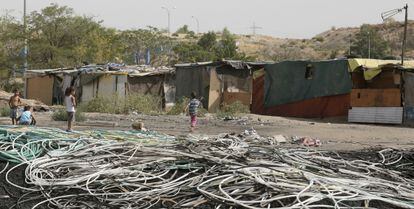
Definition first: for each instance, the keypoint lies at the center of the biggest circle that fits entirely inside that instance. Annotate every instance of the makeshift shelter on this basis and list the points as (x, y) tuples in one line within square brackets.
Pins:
[(158, 82), (377, 94), (48, 85), (92, 81), (408, 97), (105, 84), (217, 83), (303, 89)]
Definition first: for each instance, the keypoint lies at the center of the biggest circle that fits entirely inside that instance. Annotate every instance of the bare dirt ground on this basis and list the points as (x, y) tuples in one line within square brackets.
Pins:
[(335, 134)]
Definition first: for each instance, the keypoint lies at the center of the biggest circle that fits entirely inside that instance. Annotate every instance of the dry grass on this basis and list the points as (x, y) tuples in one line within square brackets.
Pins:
[(5, 112), (233, 110), (146, 104), (61, 115)]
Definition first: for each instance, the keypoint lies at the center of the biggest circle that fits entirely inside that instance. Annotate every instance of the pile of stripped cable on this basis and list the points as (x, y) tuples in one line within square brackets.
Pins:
[(138, 170)]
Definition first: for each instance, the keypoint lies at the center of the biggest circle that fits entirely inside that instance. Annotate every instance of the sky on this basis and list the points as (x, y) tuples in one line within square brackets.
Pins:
[(280, 18)]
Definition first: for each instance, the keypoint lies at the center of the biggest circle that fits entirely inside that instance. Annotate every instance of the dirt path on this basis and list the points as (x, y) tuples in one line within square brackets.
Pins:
[(335, 135)]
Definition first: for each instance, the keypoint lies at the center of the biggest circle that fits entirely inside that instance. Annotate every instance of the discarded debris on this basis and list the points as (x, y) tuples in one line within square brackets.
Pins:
[(307, 141), (279, 139), (114, 169), (98, 124), (138, 126), (37, 105)]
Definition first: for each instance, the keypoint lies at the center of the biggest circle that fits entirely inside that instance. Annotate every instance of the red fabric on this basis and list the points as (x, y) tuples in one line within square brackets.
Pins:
[(321, 107)]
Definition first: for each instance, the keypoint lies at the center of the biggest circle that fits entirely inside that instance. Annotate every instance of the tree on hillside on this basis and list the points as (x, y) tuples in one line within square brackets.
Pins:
[(227, 47), (138, 42), (210, 48), (184, 30), (59, 38), (368, 34), (12, 42), (189, 53), (208, 41)]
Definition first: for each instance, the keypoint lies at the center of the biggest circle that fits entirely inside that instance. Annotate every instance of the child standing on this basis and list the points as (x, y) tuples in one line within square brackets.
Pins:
[(27, 117), (70, 103), (193, 109), (14, 103)]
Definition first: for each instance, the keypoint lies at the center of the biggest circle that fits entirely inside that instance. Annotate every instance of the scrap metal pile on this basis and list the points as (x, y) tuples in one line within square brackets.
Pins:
[(129, 169)]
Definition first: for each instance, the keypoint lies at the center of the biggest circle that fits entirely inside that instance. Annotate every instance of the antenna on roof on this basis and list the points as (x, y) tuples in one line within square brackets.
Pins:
[(388, 14), (255, 28)]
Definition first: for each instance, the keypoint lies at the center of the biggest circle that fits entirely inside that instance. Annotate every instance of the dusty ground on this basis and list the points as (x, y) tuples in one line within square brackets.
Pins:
[(335, 134)]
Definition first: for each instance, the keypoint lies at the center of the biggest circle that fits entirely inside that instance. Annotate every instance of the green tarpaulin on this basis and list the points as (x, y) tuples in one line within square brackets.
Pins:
[(294, 81)]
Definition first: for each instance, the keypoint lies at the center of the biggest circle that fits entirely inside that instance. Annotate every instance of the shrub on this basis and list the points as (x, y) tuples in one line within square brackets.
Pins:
[(9, 86), (319, 39), (147, 104), (5, 112), (104, 105), (235, 109), (202, 112), (61, 115), (179, 106)]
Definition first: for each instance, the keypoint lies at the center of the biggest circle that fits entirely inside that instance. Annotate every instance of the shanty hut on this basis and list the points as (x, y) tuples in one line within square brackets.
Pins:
[(408, 96), (92, 81), (103, 84), (381, 91), (48, 85), (154, 81), (303, 89), (218, 83)]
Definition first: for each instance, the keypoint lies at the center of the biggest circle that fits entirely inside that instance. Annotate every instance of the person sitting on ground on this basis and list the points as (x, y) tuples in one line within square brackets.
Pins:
[(27, 117), (192, 108), (70, 102), (14, 104)]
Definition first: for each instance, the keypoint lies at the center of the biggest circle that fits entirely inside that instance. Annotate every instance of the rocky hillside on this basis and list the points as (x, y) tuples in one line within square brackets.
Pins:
[(329, 44)]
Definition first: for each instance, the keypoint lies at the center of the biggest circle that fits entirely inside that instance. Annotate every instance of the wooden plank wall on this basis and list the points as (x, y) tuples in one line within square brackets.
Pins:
[(376, 98)]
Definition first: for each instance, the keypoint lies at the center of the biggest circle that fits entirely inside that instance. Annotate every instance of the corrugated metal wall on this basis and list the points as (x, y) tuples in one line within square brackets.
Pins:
[(382, 115)]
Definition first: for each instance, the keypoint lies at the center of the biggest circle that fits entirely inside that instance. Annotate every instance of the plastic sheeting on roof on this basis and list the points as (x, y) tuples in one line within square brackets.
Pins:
[(133, 70), (236, 64), (373, 66)]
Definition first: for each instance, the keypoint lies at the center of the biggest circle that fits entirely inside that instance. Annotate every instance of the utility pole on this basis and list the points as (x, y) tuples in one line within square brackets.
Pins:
[(405, 35), (350, 45), (169, 18), (387, 15), (369, 45), (255, 28), (198, 23), (26, 47)]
